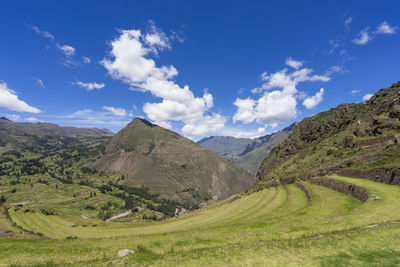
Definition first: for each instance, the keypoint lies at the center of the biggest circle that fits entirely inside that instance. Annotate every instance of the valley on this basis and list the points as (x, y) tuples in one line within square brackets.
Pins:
[(78, 198)]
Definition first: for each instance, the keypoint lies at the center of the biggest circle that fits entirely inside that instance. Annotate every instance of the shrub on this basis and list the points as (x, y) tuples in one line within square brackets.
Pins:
[(330, 152), (89, 207)]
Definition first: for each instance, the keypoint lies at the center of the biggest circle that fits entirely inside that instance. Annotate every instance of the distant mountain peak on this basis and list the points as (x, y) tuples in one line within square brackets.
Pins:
[(4, 118)]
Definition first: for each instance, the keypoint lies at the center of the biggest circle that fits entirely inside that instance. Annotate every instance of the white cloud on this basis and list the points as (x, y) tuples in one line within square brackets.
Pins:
[(293, 63), (45, 34), (66, 49), (363, 37), (120, 112), (280, 104), (91, 118), (13, 117), (86, 60), (313, 101), (385, 28), (10, 101), (245, 112), (347, 23), (353, 92), (334, 43), (39, 82), (156, 39), (33, 119), (89, 86), (239, 133), (367, 97), (130, 62)]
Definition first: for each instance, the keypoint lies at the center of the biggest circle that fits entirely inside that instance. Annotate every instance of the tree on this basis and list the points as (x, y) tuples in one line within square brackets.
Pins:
[(2, 200)]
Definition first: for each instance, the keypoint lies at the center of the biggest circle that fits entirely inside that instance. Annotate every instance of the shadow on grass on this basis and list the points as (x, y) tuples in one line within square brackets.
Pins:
[(363, 258)]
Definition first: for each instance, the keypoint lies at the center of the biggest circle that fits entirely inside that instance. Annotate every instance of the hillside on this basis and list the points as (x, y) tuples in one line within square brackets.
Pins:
[(44, 167), (278, 226), (170, 164), (247, 152), (18, 135), (360, 140)]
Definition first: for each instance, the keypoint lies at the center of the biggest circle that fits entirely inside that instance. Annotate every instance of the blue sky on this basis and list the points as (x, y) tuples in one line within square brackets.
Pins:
[(200, 68)]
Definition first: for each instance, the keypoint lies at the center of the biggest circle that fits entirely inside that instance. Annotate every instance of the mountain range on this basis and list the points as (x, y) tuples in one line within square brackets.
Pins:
[(156, 163), (247, 152)]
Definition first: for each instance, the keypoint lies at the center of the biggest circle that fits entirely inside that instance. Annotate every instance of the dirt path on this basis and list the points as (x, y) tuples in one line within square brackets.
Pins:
[(119, 215)]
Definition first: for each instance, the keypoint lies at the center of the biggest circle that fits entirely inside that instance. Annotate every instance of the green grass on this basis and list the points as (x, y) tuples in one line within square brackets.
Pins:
[(276, 226)]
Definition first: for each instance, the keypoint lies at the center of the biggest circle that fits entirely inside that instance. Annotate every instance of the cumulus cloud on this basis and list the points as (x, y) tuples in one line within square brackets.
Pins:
[(313, 101), (120, 112), (10, 101), (66, 49), (293, 63), (278, 102), (367, 97), (130, 61), (89, 86)]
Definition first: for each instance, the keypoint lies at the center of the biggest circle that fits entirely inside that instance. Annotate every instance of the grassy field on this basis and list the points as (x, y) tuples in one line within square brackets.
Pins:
[(276, 226)]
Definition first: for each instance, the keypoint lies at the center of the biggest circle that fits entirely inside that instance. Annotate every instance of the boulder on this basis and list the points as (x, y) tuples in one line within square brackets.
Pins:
[(125, 252)]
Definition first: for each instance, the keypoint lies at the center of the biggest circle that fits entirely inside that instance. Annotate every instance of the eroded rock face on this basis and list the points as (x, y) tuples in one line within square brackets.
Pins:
[(343, 187)]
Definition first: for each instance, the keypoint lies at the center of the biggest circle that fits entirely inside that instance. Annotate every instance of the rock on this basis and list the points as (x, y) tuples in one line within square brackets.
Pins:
[(125, 252), (377, 198)]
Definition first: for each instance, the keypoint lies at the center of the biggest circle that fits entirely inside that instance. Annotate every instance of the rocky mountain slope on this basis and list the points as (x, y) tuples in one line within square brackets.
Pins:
[(360, 140), (247, 152), (170, 164)]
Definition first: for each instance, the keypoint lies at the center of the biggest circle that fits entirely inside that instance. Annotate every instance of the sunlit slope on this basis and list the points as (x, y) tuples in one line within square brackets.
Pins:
[(276, 226), (277, 212)]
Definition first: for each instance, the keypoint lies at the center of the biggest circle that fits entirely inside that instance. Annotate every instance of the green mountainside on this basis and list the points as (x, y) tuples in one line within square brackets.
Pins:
[(357, 139), (247, 152), (170, 164), (49, 168), (16, 135)]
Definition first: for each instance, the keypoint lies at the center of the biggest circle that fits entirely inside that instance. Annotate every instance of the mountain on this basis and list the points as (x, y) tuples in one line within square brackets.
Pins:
[(168, 163), (247, 152), (18, 135), (360, 140)]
